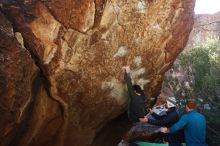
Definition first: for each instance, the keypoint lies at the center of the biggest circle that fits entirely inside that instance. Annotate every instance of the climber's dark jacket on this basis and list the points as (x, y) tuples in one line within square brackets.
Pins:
[(137, 103)]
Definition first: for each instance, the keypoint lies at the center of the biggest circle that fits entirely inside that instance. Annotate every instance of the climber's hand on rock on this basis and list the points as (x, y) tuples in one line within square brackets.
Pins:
[(126, 69)]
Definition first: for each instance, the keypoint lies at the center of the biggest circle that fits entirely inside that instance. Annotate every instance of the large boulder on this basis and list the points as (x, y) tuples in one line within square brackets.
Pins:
[(80, 48)]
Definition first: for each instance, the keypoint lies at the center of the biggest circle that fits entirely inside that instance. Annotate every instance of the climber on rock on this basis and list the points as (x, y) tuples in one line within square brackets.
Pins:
[(137, 98), (136, 106)]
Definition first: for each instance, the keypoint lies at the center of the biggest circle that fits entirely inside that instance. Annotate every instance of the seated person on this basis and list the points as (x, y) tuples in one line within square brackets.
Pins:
[(145, 131), (171, 117)]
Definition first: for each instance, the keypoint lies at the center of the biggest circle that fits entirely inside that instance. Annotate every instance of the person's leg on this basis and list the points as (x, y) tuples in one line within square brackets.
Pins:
[(123, 143), (128, 136), (131, 133)]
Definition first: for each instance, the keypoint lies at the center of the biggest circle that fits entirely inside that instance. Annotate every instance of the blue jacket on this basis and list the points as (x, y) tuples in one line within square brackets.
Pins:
[(194, 125)]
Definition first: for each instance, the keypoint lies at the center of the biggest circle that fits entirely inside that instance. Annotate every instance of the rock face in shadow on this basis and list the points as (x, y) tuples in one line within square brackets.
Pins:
[(69, 64)]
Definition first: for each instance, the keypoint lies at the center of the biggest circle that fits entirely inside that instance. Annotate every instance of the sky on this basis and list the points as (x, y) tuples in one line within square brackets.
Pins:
[(207, 6)]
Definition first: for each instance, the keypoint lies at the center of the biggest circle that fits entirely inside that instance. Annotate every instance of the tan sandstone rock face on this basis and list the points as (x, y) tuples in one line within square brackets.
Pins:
[(81, 47)]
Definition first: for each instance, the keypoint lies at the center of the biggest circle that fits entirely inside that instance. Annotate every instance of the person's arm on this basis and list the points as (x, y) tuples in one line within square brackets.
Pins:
[(143, 120), (179, 125), (129, 83)]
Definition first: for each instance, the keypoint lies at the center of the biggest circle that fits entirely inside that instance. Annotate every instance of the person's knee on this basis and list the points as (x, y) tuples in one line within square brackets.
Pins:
[(128, 135)]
